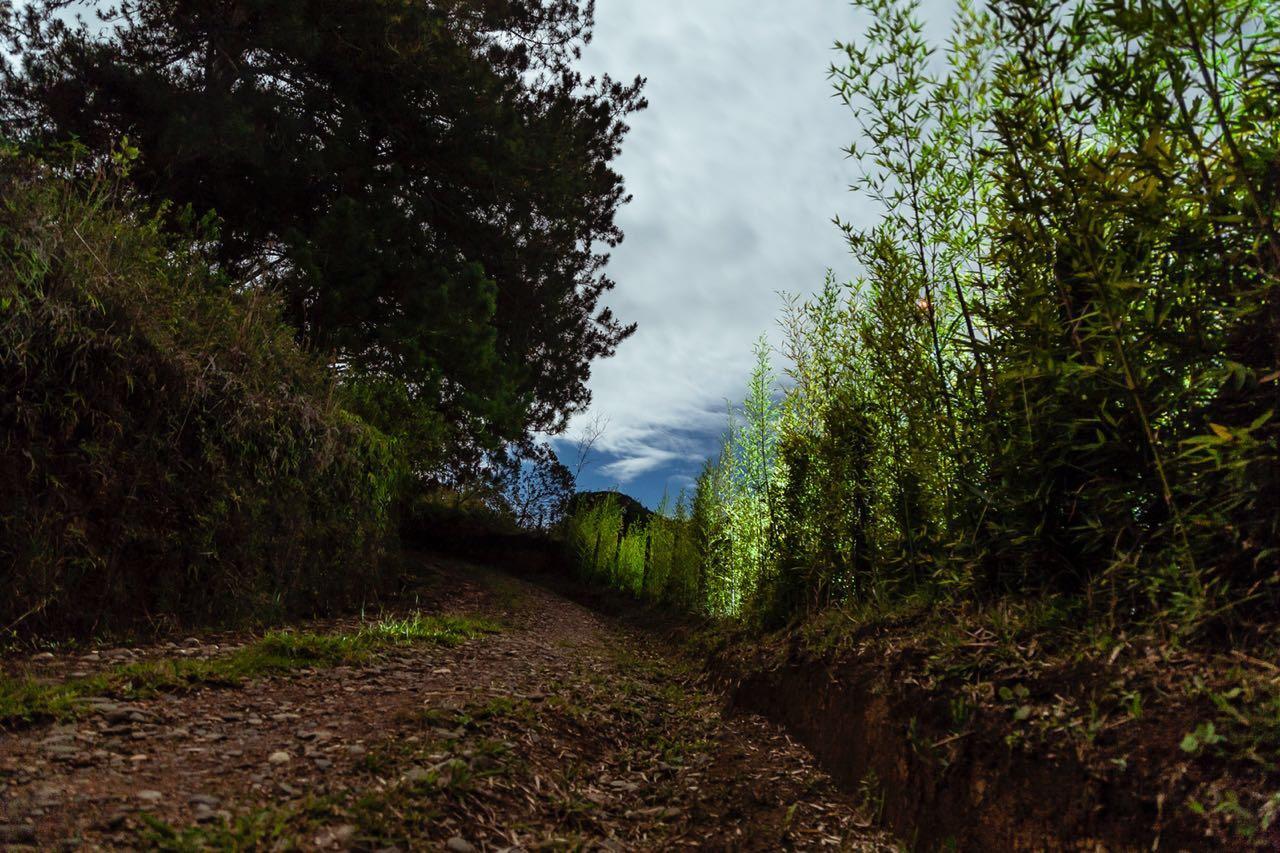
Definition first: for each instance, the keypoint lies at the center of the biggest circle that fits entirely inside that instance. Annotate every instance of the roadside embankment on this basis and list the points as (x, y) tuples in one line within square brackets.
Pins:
[(962, 739)]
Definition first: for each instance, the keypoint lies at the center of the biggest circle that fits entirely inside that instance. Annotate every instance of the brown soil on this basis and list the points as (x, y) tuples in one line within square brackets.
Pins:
[(963, 762), (565, 730)]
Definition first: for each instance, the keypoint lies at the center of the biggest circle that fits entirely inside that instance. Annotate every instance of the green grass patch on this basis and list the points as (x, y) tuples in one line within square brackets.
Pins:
[(258, 830), (27, 699)]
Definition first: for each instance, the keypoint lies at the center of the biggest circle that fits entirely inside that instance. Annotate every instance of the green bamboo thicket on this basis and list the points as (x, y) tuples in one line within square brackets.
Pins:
[(1058, 371)]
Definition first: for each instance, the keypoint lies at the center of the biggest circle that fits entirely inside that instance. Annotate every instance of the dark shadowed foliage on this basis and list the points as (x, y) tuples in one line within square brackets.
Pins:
[(428, 184), (168, 452)]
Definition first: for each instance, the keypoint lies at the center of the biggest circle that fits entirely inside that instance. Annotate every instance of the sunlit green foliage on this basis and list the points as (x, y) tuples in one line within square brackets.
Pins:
[(1059, 369), (657, 557)]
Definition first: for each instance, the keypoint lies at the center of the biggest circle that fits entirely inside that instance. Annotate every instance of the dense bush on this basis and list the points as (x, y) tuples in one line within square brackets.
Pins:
[(167, 451)]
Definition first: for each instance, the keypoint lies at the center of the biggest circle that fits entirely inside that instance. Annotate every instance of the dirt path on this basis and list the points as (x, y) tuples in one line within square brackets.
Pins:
[(561, 731)]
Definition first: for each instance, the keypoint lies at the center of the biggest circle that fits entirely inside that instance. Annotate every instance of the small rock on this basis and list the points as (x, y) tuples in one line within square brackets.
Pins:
[(191, 641), (203, 814), (119, 714), (458, 844), (417, 775), (150, 796), (356, 749), (323, 764), (204, 800), (338, 836), (47, 795), (43, 656), (279, 757)]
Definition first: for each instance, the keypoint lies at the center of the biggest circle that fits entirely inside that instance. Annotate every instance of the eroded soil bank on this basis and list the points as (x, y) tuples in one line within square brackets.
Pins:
[(561, 730), (1066, 759)]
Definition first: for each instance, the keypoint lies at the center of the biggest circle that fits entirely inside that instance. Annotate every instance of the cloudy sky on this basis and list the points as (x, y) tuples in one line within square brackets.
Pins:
[(737, 171)]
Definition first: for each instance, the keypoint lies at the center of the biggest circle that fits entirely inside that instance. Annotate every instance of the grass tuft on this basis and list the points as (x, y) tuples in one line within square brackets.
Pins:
[(26, 699)]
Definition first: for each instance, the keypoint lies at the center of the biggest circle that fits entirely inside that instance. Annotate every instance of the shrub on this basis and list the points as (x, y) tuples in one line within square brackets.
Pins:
[(168, 451)]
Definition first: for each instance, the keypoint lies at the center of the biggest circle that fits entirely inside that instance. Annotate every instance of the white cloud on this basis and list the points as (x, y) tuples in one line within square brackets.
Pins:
[(737, 171)]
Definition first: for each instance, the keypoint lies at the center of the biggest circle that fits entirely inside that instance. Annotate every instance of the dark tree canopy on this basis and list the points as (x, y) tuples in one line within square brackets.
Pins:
[(427, 183)]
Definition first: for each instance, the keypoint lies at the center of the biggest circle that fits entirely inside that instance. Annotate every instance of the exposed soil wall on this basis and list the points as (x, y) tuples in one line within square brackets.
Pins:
[(896, 745)]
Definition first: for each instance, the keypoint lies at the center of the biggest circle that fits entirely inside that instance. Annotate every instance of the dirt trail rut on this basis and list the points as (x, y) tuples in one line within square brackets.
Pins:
[(561, 731)]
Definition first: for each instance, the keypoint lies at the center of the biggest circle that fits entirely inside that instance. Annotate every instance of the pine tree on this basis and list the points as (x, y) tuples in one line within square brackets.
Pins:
[(427, 184)]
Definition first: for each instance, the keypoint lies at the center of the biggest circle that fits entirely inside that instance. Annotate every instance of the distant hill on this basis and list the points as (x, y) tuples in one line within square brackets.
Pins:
[(632, 510)]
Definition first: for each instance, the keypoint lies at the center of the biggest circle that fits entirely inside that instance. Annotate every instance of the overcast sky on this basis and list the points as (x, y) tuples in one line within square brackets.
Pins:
[(737, 171)]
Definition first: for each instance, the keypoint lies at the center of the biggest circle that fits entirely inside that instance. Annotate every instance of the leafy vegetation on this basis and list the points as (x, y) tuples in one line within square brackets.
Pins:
[(168, 450), (1058, 374), (651, 555), (1029, 459), (279, 279), (426, 185)]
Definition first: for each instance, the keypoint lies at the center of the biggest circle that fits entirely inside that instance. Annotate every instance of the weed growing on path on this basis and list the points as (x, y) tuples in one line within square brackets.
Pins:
[(26, 699)]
